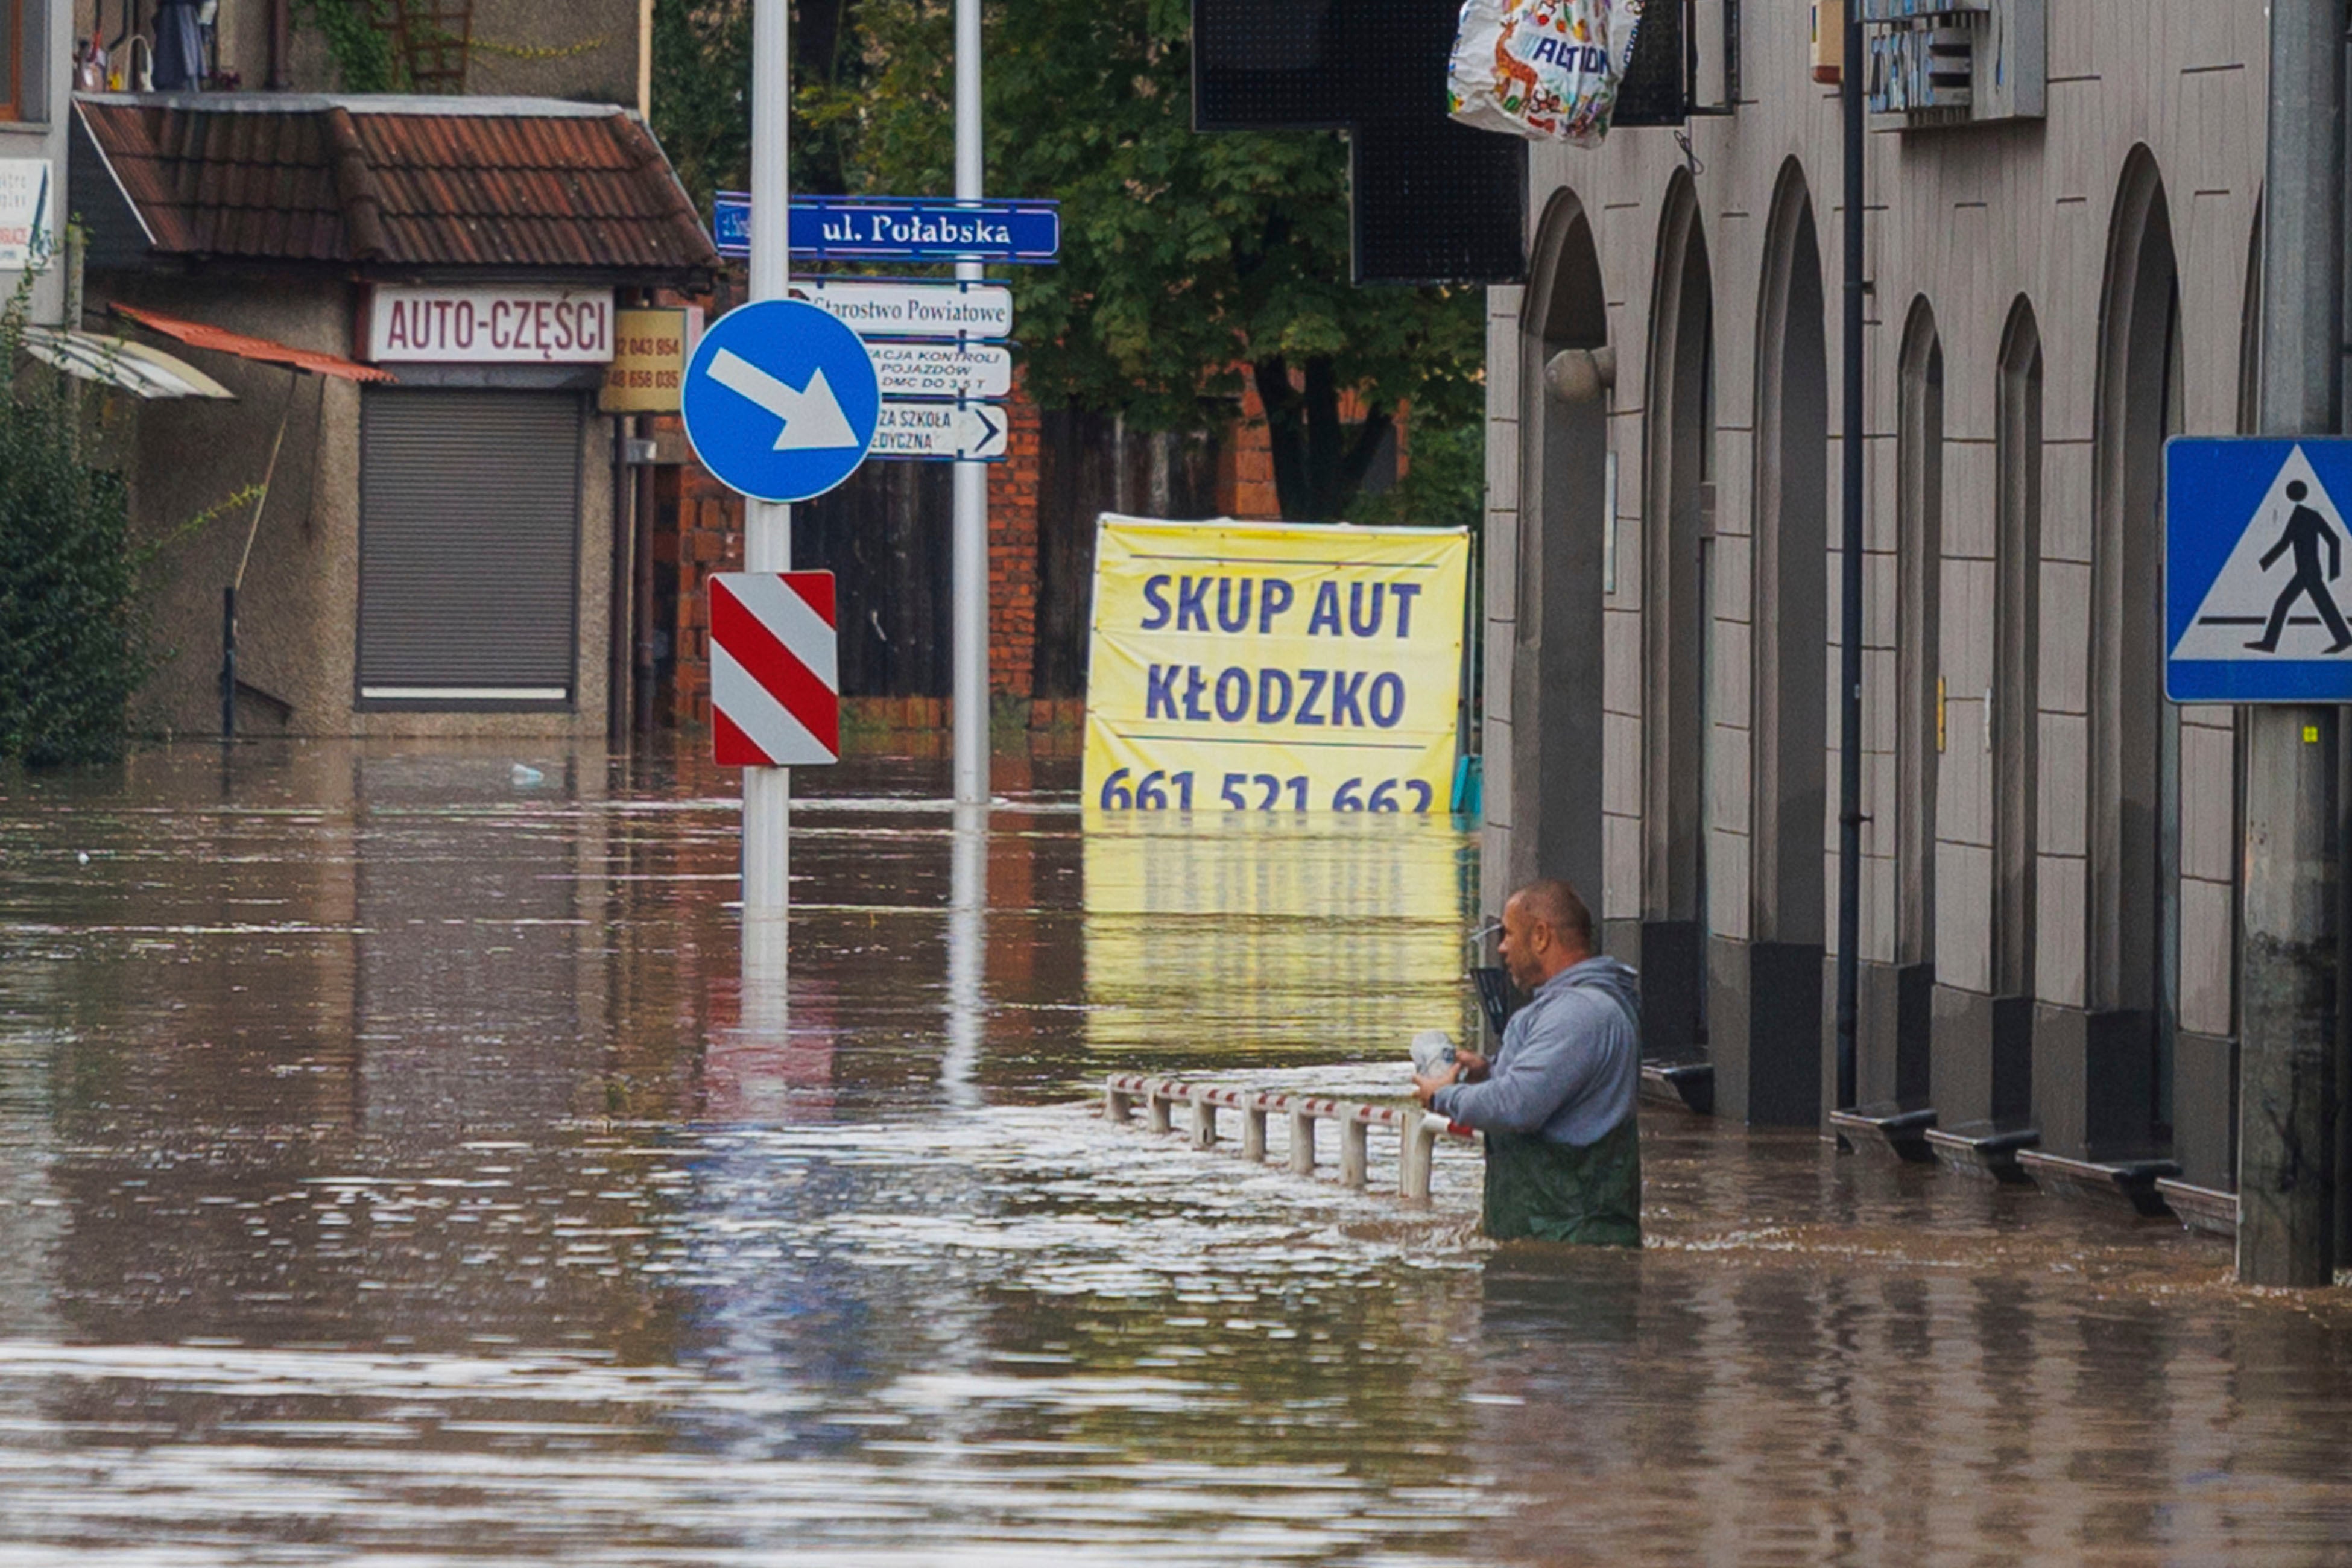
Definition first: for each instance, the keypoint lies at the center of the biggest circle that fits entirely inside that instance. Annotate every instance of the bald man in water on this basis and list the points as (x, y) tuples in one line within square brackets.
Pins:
[(1564, 1153)]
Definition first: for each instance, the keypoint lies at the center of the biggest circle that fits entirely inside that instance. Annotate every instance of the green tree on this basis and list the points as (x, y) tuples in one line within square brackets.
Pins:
[(1190, 262), (73, 646)]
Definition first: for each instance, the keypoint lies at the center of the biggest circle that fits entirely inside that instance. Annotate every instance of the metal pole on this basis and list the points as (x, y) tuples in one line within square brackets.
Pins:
[(767, 525), (967, 959), (228, 662), (2286, 1156), (1849, 449), (970, 633)]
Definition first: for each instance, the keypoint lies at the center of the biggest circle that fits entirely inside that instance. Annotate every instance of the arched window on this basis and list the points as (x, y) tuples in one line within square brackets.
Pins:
[(1791, 610), (2015, 722), (1679, 463)]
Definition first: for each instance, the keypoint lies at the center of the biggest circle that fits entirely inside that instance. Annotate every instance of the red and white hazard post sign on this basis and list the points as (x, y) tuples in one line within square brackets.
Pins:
[(775, 684)]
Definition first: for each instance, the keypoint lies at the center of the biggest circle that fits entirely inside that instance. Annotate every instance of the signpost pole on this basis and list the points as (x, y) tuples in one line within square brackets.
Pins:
[(768, 525), (1849, 585), (2287, 976), (971, 545)]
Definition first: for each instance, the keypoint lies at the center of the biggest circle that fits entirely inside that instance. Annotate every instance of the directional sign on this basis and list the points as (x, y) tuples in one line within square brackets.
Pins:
[(780, 401), (912, 310), (894, 229), (775, 682), (2256, 558), (942, 370), (972, 431)]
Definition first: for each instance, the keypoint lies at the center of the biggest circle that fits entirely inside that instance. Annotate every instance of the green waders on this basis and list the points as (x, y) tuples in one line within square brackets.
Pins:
[(1541, 1191)]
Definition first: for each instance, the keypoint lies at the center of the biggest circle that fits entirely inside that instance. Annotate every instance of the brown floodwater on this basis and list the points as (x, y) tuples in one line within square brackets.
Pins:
[(393, 1168)]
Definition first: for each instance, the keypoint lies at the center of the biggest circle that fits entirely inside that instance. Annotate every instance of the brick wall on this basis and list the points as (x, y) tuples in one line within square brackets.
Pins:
[(708, 538), (1013, 555), (1245, 459)]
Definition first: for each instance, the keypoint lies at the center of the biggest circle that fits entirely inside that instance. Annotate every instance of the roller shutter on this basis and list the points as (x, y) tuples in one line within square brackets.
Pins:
[(469, 528)]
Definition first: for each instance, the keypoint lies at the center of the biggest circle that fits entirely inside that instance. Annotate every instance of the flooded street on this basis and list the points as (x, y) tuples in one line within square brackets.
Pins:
[(392, 1169)]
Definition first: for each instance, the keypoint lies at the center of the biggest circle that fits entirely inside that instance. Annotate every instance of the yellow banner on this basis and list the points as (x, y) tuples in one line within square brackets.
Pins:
[(1254, 666), (1276, 940)]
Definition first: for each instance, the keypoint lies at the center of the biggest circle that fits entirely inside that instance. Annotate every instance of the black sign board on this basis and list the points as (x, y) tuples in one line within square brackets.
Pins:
[(1436, 202)]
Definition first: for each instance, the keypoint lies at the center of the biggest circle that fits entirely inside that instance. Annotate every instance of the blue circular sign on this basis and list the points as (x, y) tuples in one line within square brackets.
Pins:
[(780, 400)]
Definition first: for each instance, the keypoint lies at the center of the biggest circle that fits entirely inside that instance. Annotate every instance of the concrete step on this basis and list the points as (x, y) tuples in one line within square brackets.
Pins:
[(1985, 1150), (2122, 1178), (1687, 1082), (2207, 1209), (1887, 1131)]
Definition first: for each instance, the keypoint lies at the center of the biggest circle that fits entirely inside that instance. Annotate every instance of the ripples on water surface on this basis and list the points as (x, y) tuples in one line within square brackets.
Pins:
[(392, 1167)]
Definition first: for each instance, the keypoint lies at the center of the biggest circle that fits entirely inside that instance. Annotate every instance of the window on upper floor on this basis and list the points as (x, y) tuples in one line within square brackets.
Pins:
[(12, 58), (25, 37)]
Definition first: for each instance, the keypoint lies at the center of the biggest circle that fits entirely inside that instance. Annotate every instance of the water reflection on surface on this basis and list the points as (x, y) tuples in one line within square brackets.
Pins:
[(394, 1164)]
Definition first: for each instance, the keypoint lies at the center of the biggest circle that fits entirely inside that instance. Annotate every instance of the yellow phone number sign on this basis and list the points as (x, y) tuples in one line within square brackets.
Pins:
[(1248, 666)]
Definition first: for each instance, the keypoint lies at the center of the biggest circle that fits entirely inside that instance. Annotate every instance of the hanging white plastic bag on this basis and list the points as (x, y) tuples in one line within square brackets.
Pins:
[(1545, 70)]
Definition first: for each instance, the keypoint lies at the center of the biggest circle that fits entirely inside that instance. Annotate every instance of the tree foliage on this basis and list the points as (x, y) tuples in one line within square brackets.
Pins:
[(359, 38), (1191, 263), (73, 646)]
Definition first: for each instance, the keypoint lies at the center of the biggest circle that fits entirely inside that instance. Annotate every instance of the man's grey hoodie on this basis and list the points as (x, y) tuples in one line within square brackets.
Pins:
[(1570, 1062)]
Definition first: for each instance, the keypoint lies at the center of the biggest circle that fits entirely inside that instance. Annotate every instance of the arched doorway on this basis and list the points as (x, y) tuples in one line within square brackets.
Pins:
[(1557, 785), (2107, 1082), (1778, 975), (1895, 1063), (1677, 486), (2014, 730)]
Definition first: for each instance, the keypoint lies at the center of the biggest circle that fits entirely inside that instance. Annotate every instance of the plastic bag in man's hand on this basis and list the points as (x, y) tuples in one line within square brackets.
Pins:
[(1432, 1049)]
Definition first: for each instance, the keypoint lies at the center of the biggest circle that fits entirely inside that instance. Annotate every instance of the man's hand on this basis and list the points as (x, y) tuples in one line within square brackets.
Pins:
[(1424, 1088), (1472, 1065)]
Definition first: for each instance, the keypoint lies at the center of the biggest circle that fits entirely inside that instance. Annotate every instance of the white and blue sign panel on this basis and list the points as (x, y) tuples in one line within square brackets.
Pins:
[(780, 400), (890, 229), (2255, 580)]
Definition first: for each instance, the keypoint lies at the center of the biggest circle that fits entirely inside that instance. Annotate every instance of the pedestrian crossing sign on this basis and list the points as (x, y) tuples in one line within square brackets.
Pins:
[(2257, 569)]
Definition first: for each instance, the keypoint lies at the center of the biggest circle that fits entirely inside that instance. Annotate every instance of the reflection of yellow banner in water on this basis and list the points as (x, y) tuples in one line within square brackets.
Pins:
[(1242, 667), (1272, 939)]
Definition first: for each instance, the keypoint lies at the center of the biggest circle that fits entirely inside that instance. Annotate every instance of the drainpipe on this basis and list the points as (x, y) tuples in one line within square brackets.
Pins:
[(1850, 447), (647, 511), (281, 42), (2286, 1089), (619, 598)]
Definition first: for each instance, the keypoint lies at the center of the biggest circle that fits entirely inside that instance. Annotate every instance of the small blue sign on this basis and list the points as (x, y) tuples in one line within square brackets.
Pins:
[(2256, 585), (887, 228), (780, 400)]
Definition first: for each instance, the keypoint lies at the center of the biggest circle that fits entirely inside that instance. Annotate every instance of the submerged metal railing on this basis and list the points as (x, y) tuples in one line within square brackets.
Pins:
[(1417, 1131)]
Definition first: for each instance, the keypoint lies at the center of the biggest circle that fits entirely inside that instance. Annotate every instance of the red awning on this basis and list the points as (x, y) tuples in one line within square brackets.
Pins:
[(196, 334)]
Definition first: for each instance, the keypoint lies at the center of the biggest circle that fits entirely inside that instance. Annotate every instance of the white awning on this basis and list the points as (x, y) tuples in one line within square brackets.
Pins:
[(118, 362)]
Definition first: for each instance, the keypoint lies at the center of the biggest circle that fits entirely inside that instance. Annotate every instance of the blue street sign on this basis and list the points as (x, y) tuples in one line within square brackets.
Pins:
[(881, 228), (780, 400), (2256, 552)]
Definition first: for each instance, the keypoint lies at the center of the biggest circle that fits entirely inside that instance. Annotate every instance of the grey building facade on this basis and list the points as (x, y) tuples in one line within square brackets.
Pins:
[(2049, 910)]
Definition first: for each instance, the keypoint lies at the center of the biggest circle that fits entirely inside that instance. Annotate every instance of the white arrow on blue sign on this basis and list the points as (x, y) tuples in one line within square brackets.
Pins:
[(2256, 548), (780, 400)]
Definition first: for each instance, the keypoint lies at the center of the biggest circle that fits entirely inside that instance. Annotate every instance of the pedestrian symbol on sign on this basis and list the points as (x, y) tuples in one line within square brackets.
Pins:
[(2305, 533), (2275, 595)]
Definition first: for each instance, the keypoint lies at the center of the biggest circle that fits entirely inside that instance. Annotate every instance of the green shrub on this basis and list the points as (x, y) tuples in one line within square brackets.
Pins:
[(73, 646)]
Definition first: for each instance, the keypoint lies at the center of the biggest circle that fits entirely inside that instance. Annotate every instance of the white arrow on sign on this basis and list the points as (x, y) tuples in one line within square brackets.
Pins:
[(812, 414), (912, 310), (971, 430), (942, 370)]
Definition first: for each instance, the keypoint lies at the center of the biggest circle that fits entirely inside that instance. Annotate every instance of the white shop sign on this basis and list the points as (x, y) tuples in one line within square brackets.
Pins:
[(487, 324), (27, 213)]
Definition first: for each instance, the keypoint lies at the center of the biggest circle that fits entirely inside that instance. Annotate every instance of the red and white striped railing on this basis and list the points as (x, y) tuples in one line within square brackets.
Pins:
[(1417, 1131)]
